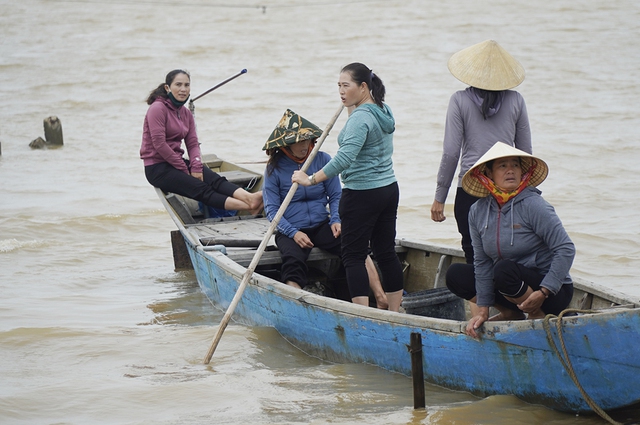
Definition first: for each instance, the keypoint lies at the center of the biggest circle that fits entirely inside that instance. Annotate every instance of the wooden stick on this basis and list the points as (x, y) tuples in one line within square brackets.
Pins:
[(256, 258)]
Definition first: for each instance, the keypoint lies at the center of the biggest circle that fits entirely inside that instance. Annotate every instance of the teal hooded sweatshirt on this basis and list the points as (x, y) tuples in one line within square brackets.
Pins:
[(365, 144)]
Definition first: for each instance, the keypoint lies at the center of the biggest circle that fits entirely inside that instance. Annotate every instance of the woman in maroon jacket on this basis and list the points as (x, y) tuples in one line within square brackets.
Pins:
[(167, 123)]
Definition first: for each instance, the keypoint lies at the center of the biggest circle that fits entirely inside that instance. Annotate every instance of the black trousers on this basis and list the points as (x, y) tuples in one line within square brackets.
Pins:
[(369, 220), (510, 279), (461, 208), (213, 191), (294, 257)]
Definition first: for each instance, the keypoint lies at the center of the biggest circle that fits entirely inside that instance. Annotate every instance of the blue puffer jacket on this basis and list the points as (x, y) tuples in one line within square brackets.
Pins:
[(308, 207), (525, 230)]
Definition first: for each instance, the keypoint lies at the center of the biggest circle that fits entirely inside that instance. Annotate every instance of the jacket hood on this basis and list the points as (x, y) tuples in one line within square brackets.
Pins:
[(526, 193), (383, 115), (474, 95)]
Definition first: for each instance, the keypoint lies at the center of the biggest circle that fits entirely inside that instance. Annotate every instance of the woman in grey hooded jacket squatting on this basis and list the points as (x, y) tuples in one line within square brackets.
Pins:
[(522, 253)]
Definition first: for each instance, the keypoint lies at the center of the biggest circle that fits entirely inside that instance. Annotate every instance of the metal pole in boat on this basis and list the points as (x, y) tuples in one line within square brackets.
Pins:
[(192, 108), (265, 240), (417, 373)]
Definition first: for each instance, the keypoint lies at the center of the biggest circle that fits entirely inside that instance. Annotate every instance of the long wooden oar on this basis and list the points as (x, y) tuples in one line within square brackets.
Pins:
[(256, 258)]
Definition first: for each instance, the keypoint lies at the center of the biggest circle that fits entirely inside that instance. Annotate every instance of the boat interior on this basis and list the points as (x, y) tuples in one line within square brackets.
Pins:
[(424, 265)]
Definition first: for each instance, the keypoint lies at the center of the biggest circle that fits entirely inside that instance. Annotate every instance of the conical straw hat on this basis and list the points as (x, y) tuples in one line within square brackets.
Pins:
[(486, 66), (472, 185)]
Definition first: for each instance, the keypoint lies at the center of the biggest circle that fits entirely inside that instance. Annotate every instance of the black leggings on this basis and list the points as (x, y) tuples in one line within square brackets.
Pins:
[(213, 191), (369, 219), (294, 266), (511, 280), (461, 208)]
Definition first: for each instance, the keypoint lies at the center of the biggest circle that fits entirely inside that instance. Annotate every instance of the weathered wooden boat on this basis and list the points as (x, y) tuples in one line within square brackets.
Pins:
[(523, 358)]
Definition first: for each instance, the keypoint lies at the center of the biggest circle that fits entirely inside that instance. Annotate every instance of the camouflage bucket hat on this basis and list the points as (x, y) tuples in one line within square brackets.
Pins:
[(291, 129)]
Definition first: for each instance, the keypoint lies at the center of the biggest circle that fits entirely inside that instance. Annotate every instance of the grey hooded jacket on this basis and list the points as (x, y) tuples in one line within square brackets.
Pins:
[(525, 230)]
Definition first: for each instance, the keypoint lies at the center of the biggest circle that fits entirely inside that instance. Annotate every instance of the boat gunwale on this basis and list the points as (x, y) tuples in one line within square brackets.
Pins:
[(404, 319)]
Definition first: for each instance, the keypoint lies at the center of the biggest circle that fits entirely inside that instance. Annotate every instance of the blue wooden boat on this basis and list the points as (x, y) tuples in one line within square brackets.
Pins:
[(512, 357)]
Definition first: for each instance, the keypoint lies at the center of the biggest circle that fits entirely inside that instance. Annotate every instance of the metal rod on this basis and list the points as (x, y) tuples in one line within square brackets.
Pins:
[(417, 372), (222, 83)]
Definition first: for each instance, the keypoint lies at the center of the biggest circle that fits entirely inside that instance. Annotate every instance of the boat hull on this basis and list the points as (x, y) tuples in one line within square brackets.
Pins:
[(510, 358)]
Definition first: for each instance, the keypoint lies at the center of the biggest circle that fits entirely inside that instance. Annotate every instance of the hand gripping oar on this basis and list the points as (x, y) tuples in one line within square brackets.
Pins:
[(256, 258), (222, 83)]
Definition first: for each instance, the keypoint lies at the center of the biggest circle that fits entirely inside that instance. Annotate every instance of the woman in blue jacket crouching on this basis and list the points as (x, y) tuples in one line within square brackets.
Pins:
[(307, 222)]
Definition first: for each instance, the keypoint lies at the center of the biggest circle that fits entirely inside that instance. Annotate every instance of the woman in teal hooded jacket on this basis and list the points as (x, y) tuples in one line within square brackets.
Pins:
[(370, 194)]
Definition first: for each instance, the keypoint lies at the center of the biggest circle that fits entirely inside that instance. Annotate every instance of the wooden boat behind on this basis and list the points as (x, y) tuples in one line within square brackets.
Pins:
[(513, 357)]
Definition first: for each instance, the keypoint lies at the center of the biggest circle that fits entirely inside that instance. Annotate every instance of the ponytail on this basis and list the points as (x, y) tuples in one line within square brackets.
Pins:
[(360, 73), (377, 89), (159, 91)]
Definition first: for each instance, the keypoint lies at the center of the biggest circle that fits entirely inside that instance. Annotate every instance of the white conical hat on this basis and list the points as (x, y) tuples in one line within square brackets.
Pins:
[(472, 185), (486, 66)]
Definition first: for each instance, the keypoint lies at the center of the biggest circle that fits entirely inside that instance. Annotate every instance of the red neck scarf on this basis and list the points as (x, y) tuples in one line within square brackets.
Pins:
[(498, 193), (287, 151)]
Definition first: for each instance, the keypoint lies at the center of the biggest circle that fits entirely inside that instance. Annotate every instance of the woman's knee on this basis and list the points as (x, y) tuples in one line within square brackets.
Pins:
[(504, 272), (460, 279), (353, 258), (508, 280), (387, 256)]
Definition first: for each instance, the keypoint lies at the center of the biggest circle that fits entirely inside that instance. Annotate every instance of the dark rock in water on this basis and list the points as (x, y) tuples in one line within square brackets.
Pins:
[(38, 143), (53, 131), (52, 135)]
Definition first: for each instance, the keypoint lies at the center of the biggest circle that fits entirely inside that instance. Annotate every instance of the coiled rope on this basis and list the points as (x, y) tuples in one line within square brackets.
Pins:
[(566, 362)]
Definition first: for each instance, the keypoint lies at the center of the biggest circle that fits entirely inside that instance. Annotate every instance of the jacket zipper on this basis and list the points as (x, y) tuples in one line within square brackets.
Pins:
[(498, 233)]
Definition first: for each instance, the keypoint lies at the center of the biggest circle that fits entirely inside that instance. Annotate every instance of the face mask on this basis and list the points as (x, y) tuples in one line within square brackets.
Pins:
[(175, 101)]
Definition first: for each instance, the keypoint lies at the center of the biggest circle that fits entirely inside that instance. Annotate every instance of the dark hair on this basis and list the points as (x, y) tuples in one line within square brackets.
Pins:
[(274, 158), (489, 100), (360, 73), (160, 90)]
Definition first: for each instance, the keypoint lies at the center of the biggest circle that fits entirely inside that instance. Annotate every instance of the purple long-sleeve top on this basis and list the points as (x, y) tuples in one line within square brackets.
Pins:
[(165, 127), (468, 136)]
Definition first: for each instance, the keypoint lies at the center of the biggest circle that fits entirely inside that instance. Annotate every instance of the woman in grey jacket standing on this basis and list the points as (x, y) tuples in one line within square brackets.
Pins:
[(522, 253), (477, 117)]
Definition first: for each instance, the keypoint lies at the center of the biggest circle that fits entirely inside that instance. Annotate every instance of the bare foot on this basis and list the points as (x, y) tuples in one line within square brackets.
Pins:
[(255, 204), (510, 315), (536, 315), (294, 284)]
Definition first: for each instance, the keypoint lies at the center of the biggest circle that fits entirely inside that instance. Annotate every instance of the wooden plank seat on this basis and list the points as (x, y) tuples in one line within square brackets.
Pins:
[(241, 178), (226, 231), (245, 256), (272, 257), (241, 240)]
